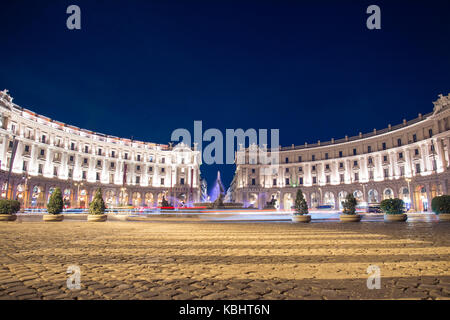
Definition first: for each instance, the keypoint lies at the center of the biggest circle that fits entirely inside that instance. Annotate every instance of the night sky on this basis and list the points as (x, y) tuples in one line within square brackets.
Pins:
[(144, 68)]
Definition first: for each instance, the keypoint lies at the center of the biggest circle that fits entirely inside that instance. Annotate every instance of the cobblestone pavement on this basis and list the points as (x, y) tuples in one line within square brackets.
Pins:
[(149, 260)]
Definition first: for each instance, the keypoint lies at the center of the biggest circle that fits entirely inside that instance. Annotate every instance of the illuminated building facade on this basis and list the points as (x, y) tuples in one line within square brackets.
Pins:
[(50, 154), (408, 161)]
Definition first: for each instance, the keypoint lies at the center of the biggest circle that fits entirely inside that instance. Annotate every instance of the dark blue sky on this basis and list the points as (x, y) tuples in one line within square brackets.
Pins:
[(144, 68)]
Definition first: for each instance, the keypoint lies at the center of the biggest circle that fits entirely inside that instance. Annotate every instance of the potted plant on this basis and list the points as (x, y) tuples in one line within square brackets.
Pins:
[(441, 207), (349, 210), (8, 209), (301, 208), (55, 207), (97, 208), (393, 210)]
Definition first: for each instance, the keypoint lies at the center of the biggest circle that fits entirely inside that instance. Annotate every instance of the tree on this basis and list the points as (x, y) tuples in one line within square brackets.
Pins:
[(55, 203), (97, 206), (349, 204), (392, 206), (300, 205)]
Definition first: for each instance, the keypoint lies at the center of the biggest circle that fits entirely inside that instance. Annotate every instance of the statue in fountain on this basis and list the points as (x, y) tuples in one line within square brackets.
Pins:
[(164, 202), (271, 204)]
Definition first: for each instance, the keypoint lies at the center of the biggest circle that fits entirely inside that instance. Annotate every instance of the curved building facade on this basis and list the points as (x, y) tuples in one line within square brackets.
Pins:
[(46, 154), (408, 161)]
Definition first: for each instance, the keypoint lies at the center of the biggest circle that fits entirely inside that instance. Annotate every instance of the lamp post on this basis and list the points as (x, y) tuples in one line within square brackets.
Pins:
[(123, 189)]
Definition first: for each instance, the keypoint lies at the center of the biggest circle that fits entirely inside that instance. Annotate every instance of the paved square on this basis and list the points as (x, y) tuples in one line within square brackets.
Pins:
[(175, 260)]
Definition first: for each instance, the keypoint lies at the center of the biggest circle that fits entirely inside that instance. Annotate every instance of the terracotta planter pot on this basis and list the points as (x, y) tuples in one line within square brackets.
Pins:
[(53, 217), (395, 217), (8, 217), (97, 217), (305, 218), (444, 217), (350, 217)]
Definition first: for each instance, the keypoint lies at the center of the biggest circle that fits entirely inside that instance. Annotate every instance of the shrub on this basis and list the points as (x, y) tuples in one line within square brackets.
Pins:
[(349, 204), (97, 206), (300, 203), (9, 206), (392, 206), (441, 204), (55, 203)]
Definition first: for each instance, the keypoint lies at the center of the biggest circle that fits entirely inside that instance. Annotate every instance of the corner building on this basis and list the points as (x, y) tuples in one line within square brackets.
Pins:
[(52, 154), (409, 161)]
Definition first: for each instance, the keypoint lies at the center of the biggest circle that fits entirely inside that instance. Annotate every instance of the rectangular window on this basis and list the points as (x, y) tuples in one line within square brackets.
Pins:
[(369, 149), (414, 138), (300, 159), (314, 180), (70, 173), (300, 181), (402, 171), (138, 179), (300, 169), (416, 152), (71, 158), (430, 132), (371, 175), (162, 181), (356, 176), (287, 181), (253, 182), (253, 170), (386, 173), (97, 176), (99, 163), (287, 160), (42, 152), (342, 178), (27, 148), (84, 175), (111, 178), (126, 155), (138, 168), (182, 181), (287, 170), (385, 158), (274, 182), (313, 157), (99, 152), (327, 167), (112, 164), (72, 146), (328, 179), (85, 160), (354, 151), (326, 156), (370, 160), (313, 168), (40, 168), (150, 169), (399, 142), (163, 160), (113, 154), (400, 155), (138, 157), (341, 164), (163, 169), (355, 163), (24, 166), (384, 145), (340, 154), (417, 167), (86, 149)]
